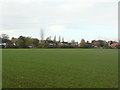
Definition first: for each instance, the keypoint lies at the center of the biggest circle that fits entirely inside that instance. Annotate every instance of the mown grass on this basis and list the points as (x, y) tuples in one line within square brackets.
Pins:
[(60, 68)]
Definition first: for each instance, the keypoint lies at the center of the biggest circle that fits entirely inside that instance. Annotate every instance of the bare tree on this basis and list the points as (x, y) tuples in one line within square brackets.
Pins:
[(4, 36), (59, 39), (54, 38), (73, 41), (41, 36), (50, 37), (63, 39)]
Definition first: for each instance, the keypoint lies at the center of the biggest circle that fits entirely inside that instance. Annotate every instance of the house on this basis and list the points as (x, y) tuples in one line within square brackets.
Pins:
[(9, 43), (75, 43), (3, 43), (96, 44), (50, 43), (115, 45), (63, 44)]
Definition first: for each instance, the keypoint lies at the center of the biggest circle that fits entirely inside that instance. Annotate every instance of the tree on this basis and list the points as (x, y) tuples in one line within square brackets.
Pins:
[(23, 42), (14, 40), (41, 36), (59, 39), (73, 41), (54, 39), (4, 36), (105, 44), (48, 38), (35, 42), (28, 41), (93, 41), (101, 43), (82, 43), (110, 42), (63, 39), (9, 44), (87, 42)]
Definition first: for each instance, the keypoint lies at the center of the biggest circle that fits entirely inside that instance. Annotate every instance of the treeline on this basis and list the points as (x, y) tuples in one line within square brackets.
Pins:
[(21, 42), (28, 42)]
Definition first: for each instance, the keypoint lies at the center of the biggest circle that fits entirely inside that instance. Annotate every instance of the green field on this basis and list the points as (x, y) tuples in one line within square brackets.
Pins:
[(60, 68)]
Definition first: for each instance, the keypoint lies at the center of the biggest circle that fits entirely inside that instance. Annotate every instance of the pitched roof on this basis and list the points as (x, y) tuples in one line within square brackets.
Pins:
[(115, 44)]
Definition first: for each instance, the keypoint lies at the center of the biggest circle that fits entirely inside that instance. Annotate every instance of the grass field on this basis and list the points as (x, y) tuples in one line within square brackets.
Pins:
[(60, 68)]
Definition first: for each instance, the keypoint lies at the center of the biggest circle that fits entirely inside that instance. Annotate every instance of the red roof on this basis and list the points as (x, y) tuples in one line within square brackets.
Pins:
[(115, 44)]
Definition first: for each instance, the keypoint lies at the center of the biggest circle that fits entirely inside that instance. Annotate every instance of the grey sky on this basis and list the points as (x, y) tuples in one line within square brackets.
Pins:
[(72, 19)]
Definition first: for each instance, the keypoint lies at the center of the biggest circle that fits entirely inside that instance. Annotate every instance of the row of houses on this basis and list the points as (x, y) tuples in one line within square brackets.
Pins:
[(72, 44), (95, 44), (7, 43), (115, 45)]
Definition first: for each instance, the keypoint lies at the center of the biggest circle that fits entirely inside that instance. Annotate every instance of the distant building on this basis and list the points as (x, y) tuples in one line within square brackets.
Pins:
[(115, 45), (96, 44), (50, 43), (63, 44), (9, 43)]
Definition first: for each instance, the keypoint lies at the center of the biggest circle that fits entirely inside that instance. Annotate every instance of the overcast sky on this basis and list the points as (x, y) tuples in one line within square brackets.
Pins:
[(71, 19)]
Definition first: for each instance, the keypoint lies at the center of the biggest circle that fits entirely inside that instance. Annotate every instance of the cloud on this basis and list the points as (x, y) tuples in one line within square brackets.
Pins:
[(56, 28), (7, 31), (80, 5), (74, 7), (18, 1), (56, 15), (30, 1), (106, 38)]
